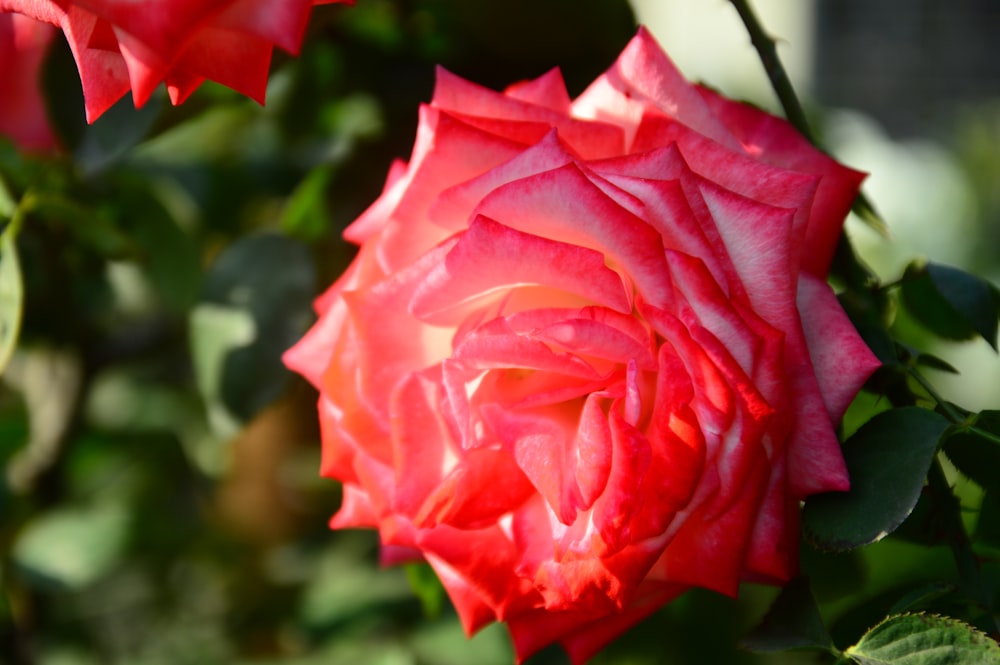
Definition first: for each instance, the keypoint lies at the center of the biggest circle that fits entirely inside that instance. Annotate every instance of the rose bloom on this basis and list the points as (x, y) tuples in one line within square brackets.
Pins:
[(23, 119), (586, 358), (122, 44)]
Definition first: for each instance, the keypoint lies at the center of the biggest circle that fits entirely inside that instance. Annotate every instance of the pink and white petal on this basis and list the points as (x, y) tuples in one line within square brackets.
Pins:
[(773, 140), (486, 559), (733, 169), (483, 485), (642, 76), (454, 206), (490, 258), (543, 443), (703, 303), (584, 642), (339, 445), (564, 204), (843, 362), (460, 152), (773, 556), (496, 345), (311, 355), (548, 90), (758, 240), (524, 132), (584, 633), (710, 548), (423, 450), (374, 218), (613, 511), (355, 509), (602, 337), (390, 343), (472, 611), (592, 140), (47, 11), (594, 450)]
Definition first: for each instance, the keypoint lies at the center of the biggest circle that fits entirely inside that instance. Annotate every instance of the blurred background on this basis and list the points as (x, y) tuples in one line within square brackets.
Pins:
[(160, 500)]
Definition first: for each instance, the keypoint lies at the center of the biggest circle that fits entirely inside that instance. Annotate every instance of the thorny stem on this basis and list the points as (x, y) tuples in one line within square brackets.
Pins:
[(949, 411), (765, 46), (958, 539)]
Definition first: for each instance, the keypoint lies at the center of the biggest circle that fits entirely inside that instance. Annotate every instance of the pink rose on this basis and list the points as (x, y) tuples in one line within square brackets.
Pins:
[(586, 358), (23, 119), (122, 44)]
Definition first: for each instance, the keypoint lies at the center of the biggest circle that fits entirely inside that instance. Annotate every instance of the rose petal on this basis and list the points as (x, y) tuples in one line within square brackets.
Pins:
[(564, 204), (547, 90), (489, 259)]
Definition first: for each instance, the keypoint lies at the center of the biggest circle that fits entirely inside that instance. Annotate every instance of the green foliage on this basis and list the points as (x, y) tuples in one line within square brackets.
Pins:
[(427, 588), (792, 622), (887, 460), (255, 304), (72, 548), (11, 292), (950, 302), (974, 448), (919, 639)]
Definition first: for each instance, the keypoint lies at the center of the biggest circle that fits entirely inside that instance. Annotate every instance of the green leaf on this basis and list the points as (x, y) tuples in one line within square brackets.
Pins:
[(119, 129), (950, 302), (256, 302), (11, 295), (7, 203), (216, 331), (921, 639), (445, 643), (887, 459), (306, 215), (168, 254), (71, 548), (915, 357), (974, 449), (988, 525), (865, 313), (425, 584), (864, 209), (347, 584), (792, 622), (921, 597)]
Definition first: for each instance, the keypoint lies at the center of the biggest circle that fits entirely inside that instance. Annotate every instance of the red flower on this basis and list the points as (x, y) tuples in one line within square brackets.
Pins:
[(586, 358), (122, 44), (23, 117)]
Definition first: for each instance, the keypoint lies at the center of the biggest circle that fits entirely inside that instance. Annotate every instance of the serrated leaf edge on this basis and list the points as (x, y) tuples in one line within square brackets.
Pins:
[(946, 619)]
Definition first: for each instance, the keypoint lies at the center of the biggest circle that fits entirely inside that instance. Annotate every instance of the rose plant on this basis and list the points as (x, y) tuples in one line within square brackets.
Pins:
[(120, 45), (586, 358), (23, 43)]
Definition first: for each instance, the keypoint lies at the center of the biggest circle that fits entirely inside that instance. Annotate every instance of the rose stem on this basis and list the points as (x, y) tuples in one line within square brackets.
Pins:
[(768, 53)]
